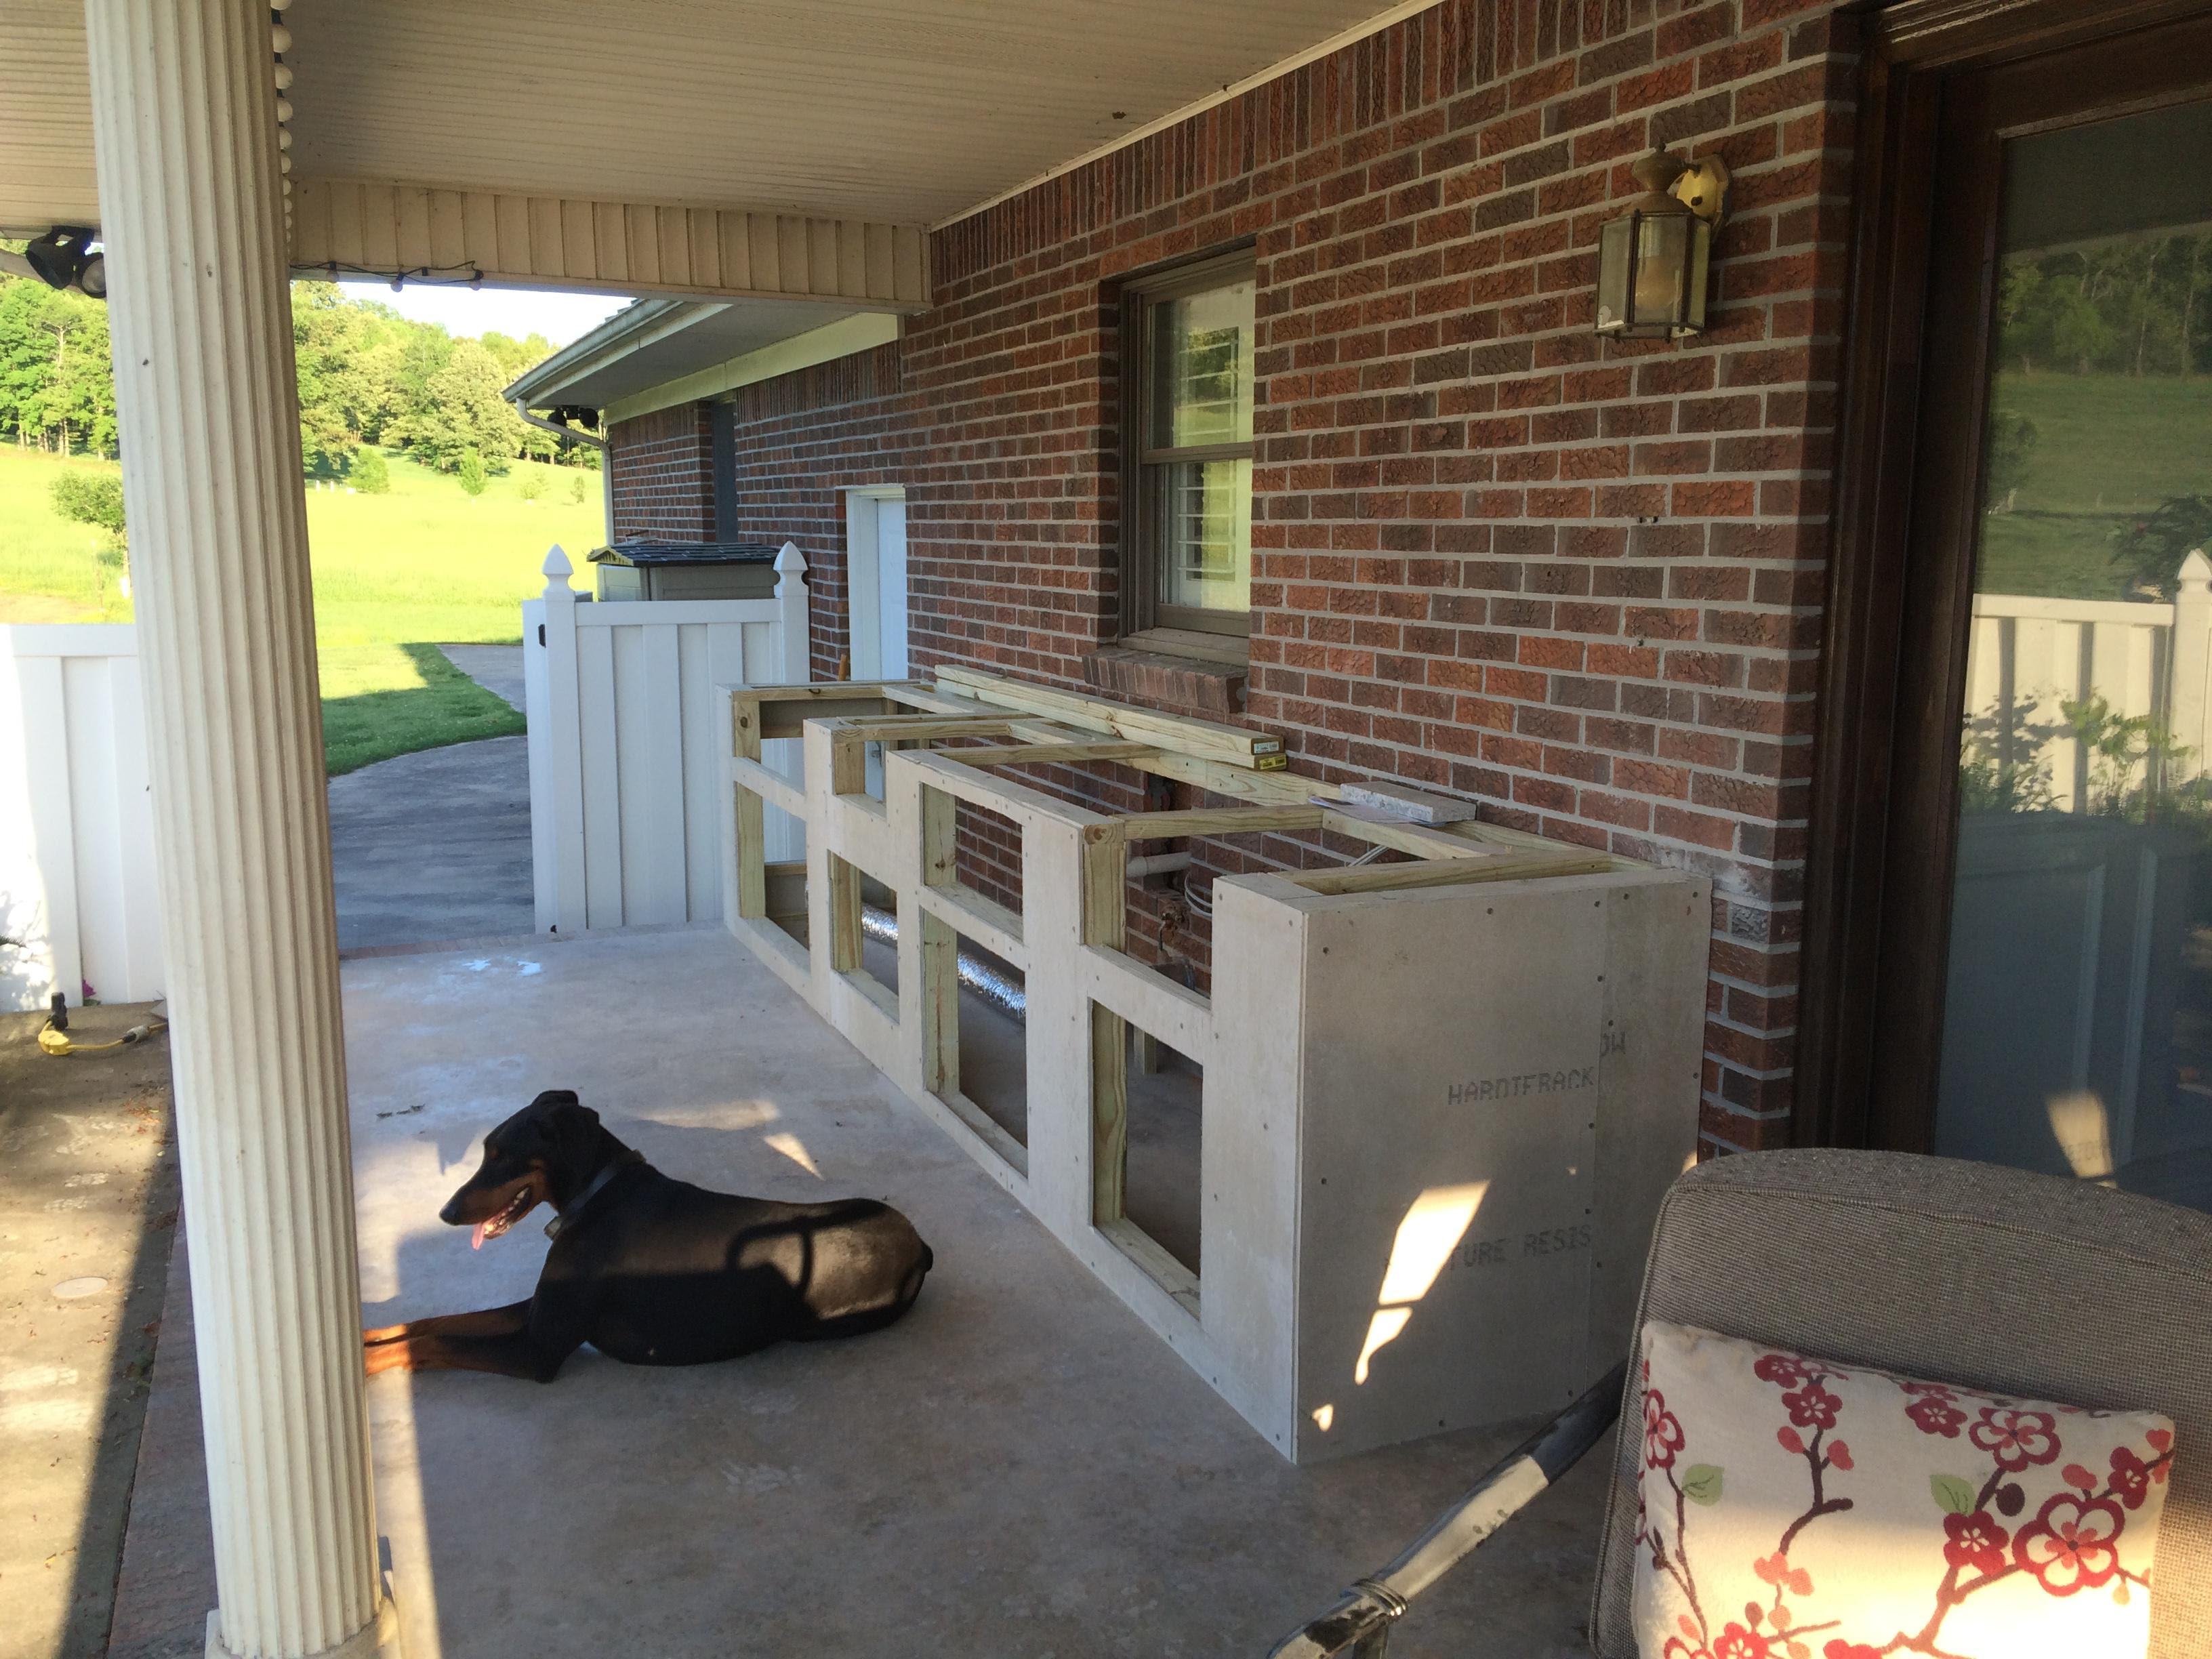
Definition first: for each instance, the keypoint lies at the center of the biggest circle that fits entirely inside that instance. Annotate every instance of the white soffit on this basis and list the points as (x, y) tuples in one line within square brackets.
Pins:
[(662, 352), (46, 116), (906, 111)]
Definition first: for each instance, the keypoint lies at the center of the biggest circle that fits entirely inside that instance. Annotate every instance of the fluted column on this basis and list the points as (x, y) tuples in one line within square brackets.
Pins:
[(184, 122)]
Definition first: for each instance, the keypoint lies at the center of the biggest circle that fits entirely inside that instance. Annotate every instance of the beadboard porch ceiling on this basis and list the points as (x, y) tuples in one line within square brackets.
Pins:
[(893, 111)]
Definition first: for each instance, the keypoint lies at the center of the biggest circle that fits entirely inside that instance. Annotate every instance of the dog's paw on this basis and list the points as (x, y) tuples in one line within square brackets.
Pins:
[(386, 1356)]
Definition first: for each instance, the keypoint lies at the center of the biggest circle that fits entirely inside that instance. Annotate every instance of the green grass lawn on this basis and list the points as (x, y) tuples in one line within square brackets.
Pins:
[(394, 575), (2108, 447)]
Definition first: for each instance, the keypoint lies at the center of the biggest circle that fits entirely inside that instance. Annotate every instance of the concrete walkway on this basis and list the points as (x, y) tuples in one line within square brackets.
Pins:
[(1019, 1468), (434, 846), (497, 668), (88, 1209)]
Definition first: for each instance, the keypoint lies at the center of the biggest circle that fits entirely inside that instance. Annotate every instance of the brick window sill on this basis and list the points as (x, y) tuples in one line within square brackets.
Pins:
[(1210, 687)]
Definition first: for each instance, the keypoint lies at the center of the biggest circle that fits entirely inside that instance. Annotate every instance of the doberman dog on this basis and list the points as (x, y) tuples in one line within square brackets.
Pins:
[(650, 1270)]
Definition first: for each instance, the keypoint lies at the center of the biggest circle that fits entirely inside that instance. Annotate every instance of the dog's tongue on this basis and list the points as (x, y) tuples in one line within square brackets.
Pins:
[(477, 1238)]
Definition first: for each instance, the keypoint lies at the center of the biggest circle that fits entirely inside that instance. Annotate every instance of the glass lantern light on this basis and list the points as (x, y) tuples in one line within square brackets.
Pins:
[(1652, 261)]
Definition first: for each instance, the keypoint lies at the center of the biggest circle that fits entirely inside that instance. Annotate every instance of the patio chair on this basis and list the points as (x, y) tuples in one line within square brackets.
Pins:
[(2023, 1283)]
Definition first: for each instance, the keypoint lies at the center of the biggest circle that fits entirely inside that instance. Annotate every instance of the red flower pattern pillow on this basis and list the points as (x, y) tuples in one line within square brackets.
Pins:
[(1790, 1508)]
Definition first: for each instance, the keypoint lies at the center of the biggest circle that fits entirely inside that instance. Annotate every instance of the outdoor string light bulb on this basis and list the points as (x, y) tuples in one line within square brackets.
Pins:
[(1652, 261), (280, 42)]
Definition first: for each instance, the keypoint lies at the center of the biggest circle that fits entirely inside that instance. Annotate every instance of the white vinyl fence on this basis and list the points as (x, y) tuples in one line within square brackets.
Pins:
[(77, 901), (2027, 656), (628, 743)]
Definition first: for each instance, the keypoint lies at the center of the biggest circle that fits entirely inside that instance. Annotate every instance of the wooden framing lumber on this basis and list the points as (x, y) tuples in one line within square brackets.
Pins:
[(1236, 782), (752, 838), (782, 711), (921, 728), (1412, 839), (1218, 821), (1051, 754), (1444, 872), (1105, 901), (845, 935), (1236, 745), (848, 765), (785, 888), (1140, 1246), (941, 852), (749, 829), (941, 1003)]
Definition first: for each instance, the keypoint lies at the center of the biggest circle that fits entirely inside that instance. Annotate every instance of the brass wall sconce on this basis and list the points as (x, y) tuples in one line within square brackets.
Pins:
[(1652, 261)]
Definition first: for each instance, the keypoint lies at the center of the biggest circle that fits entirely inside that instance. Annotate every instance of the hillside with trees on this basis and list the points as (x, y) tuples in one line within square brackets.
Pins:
[(2138, 305), (2097, 480), (367, 375)]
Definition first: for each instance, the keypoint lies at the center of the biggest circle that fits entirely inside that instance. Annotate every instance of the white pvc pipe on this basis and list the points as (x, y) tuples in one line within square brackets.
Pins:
[(1158, 864), (606, 460)]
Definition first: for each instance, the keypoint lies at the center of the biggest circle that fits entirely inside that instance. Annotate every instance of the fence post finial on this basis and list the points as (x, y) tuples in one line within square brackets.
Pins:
[(2195, 572), (794, 647), (557, 570)]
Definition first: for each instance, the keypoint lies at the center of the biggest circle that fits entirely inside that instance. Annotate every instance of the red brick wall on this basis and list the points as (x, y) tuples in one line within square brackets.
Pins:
[(1578, 581), (660, 468)]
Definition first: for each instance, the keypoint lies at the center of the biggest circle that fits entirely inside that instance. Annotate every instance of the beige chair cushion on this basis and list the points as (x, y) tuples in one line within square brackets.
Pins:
[(2020, 1284)]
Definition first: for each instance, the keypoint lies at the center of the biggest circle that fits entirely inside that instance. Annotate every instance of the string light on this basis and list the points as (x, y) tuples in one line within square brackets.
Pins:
[(468, 275), (280, 42)]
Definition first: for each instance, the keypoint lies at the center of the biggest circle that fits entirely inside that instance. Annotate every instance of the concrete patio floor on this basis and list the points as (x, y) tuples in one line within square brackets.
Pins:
[(1017, 1468)]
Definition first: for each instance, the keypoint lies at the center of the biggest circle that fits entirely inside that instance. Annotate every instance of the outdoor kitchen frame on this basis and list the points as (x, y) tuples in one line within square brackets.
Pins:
[(1597, 966)]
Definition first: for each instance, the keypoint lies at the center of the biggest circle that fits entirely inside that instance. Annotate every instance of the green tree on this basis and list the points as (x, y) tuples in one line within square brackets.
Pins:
[(471, 470), (532, 484), (577, 489), (341, 394), (57, 388), (370, 475), (96, 499), (2012, 442), (2082, 334), (92, 498), (465, 411), (2148, 550), (367, 375)]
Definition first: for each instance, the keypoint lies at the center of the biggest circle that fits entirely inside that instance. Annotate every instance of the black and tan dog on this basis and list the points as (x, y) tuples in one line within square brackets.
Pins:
[(650, 1270)]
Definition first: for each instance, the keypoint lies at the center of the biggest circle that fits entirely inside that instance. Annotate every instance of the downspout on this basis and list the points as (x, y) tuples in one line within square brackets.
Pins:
[(606, 459)]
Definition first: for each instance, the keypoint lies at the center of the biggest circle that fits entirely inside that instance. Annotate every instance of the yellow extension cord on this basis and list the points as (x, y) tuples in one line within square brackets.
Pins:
[(60, 1044)]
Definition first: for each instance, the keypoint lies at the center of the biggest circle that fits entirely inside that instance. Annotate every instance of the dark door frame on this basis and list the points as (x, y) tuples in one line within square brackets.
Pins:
[(1877, 901)]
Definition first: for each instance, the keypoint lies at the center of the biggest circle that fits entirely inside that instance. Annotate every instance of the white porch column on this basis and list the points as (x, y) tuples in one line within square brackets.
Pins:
[(183, 124)]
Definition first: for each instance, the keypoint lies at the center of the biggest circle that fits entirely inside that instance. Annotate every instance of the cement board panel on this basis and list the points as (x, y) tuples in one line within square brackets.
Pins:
[(1454, 1061)]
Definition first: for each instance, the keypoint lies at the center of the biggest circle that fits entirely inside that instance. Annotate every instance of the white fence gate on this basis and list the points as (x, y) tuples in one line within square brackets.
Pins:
[(628, 743), (78, 900), (2027, 655)]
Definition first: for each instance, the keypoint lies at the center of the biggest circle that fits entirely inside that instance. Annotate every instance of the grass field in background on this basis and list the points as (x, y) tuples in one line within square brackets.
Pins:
[(420, 565), (2108, 447)]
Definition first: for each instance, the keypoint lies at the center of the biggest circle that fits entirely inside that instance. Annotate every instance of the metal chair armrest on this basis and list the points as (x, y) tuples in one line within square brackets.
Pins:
[(1360, 1621)]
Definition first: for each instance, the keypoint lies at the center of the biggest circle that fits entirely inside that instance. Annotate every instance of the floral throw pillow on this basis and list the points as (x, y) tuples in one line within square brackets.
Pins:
[(1794, 1509)]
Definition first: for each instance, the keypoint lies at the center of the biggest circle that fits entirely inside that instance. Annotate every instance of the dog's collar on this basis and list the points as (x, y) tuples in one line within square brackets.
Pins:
[(568, 1218)]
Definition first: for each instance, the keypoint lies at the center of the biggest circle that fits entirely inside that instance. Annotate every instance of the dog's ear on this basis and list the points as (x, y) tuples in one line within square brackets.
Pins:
[(573, 1130), (557, 1098)]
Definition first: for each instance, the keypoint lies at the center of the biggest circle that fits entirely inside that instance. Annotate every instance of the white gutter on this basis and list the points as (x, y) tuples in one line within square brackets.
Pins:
[(627, 331), (606, 459)]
